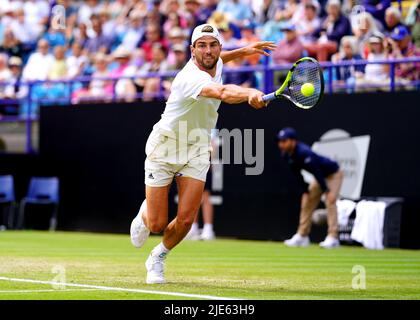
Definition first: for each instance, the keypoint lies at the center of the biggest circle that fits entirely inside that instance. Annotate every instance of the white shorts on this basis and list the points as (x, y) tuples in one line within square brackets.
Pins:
[(166, 158)]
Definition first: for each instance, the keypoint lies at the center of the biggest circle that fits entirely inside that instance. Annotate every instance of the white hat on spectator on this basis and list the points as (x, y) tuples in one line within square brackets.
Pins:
[(176, 33), (205, 30), (178, 47), (15, 61), (334, 3), (121, 52), (136, 14)]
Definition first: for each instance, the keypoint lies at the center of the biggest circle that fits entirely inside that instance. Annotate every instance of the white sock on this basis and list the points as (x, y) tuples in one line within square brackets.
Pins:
[(194, 227), (208, 227), (160, 251)]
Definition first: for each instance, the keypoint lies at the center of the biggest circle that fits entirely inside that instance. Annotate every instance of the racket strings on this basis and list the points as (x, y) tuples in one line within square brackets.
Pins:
[(306, 72)]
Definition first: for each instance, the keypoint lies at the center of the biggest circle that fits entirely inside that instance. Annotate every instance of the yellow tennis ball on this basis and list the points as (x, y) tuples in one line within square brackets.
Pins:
[(307, 89)]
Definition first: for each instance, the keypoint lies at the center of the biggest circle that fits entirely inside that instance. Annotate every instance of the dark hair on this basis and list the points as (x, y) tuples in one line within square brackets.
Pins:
[(208, 29)]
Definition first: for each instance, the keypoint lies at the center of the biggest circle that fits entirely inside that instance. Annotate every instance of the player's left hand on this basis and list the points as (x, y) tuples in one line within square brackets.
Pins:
[(259, 47)]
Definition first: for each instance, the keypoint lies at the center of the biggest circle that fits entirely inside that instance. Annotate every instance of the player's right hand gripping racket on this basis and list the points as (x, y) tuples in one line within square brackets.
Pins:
[(304, 84)]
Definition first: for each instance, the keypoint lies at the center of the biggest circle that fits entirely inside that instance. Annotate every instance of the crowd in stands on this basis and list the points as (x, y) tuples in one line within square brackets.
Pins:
[(130, 38)]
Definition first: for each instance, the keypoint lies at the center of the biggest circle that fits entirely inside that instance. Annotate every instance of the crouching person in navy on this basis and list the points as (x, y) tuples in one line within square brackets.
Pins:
[(328, 181)]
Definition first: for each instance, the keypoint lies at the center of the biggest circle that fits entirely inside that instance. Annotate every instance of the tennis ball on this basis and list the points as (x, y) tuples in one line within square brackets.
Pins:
[(307, 89)]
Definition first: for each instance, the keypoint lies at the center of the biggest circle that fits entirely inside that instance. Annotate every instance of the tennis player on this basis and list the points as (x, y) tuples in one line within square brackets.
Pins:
[(179, 144)]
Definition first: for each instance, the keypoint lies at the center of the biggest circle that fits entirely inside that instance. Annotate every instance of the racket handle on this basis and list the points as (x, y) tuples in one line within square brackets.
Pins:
[(269, 97)]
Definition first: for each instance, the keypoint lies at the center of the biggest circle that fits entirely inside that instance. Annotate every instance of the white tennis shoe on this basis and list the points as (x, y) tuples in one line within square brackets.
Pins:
[(155, 269), (297, 241), (193, 234), (207, 235), (138, 230), (330, 243)]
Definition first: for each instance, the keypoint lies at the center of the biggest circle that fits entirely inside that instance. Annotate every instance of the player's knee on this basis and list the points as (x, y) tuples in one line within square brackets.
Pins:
[(157, 226), (186, 222)]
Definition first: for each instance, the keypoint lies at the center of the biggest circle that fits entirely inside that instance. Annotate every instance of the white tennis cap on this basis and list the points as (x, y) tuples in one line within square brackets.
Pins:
[(205, 30)]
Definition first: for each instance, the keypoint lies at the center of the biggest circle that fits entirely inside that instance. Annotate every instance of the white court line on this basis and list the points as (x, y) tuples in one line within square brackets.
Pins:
[(166, 293), (51, 290)]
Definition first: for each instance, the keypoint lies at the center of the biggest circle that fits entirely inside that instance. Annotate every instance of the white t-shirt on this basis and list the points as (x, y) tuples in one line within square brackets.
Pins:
[(188, 115), (375, 72)]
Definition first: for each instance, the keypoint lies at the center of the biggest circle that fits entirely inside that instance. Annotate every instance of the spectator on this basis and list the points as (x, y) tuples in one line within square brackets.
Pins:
[(249, 37), (15, 90), (286, 13), (135, 31), (153, 15), (116, 8), (192, 8), (301, 8), (180, 60), (399, 45), (333, 28), (5, 74), (176, 37), (392, 19), (80, 34), (55, 37), (267, 11), (25, 32), (11, 45), (237, 12), (70, 18), (220, 20), (228, 40), (77, 61), (415, 31), (98, 42), (376, 8), (413, 13), (307, 25), (39, 63), (87, 9), (346, 75), (375, 74), (290, 48), (363, 26), (150, 86), (152, 36), (108, 24), (180, 57), (122, 57), (37, 13), (58, 70), (174, 20), (206, 10), (99, 89)]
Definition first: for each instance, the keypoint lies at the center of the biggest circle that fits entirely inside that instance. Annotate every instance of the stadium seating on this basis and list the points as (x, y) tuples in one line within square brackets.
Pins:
[(41, 191), (7, 196)]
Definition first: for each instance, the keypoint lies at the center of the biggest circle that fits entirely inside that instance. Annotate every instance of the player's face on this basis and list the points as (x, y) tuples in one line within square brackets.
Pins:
[(206, 52), (286, 146)]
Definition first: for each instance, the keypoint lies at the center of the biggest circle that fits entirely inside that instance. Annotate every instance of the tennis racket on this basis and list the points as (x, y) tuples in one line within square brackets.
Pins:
[(305, 72)]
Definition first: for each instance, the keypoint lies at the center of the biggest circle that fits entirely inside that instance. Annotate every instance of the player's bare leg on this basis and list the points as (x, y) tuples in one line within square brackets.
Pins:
[(156, 215), (190, 192), (152, 216)]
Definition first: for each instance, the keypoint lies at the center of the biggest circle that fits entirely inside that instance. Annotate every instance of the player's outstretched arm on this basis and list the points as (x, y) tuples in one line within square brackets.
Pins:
[(233, 94), (257, 47)]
